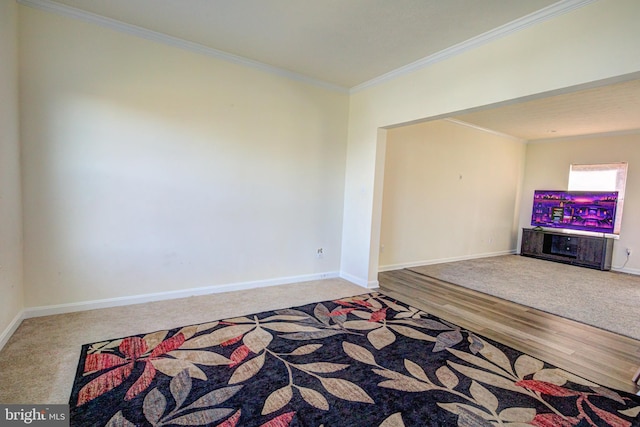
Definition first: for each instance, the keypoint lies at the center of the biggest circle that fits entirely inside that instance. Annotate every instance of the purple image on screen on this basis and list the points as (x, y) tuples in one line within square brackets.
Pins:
[(576, 210)]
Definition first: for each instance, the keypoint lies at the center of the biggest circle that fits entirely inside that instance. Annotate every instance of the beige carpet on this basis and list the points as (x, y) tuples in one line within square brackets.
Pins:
[(608, 300), (38, 363)]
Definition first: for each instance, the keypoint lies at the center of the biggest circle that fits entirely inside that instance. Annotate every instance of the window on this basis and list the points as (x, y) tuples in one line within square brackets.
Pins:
[(601, 177)]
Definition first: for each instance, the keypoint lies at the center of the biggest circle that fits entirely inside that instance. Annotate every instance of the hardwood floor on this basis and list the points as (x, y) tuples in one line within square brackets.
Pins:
[(600, 356)]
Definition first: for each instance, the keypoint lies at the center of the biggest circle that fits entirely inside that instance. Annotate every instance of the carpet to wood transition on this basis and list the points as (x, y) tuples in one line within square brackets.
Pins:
[(359, 361)]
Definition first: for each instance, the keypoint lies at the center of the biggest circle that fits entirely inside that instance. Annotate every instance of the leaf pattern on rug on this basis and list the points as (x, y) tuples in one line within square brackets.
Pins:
[(360, 361)]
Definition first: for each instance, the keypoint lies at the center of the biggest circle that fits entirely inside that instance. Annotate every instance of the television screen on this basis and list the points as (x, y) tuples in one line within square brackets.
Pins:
[(575, 210)]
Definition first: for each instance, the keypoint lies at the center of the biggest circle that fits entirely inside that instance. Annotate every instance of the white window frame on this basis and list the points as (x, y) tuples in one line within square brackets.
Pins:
[(601, 177)]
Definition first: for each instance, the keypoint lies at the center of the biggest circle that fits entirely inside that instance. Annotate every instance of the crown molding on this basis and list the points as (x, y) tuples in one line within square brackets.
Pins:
[(542, 15), (527, 21), (486, 130), (72, 12)]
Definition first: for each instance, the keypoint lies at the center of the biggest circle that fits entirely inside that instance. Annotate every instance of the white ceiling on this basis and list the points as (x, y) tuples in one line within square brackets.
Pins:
[(346, 43), (343, 42), (604, 109)]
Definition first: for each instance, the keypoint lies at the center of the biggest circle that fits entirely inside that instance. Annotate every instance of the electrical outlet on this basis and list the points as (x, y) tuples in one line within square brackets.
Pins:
[(628, 251)]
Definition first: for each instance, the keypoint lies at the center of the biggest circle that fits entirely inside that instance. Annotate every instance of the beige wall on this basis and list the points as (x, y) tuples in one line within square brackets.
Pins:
[(11, 292), (547, 167), (450, 192), (151, 169), (593, 43)]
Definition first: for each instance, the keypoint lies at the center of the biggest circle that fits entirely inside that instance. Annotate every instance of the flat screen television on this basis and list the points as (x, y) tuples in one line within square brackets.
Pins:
[(575, 210)]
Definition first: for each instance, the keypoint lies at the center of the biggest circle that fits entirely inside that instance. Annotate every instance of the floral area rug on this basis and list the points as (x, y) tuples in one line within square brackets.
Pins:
[(360, 361)]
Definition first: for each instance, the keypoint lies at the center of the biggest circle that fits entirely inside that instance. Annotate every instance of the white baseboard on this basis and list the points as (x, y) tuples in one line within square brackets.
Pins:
[(442, 260), (160, 296), (49, 310), (626, 270), (369, 284), (11, 328)]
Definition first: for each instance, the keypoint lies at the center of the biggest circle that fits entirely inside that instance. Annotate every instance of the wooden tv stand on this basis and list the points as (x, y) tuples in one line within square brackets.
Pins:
[(575, 249)]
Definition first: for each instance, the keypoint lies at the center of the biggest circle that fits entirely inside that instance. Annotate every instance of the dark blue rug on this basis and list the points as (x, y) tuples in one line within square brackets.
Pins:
[(361, 361)]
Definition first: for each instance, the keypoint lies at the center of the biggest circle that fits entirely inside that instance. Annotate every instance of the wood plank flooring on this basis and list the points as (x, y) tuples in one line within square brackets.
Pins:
[(600, 356)]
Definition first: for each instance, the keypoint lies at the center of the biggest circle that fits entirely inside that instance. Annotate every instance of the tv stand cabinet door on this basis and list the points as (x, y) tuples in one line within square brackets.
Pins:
[(594, 252), (532, 242)]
